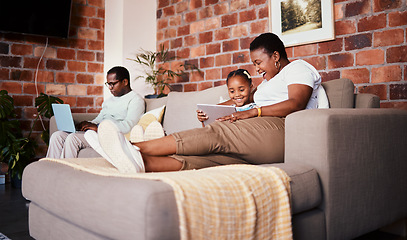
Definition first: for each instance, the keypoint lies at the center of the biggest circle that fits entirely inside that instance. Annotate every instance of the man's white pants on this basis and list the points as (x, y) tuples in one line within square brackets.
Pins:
[(66, 145)]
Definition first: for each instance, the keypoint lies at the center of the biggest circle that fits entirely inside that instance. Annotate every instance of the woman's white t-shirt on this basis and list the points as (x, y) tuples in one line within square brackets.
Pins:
[(275, 90)]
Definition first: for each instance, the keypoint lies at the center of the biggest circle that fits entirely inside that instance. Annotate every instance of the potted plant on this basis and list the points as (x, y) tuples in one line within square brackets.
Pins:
[(43, 103), (155, 73), (16, 150)]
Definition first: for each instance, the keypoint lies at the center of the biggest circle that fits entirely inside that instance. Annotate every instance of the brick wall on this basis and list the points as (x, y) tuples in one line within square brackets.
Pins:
[(370, 46), (71, 69)]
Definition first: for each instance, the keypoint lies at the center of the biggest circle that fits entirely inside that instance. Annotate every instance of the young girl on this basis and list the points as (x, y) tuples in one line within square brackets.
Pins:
[(239, 83)]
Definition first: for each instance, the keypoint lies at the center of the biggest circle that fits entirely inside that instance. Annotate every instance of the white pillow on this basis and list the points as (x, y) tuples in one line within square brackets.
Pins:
[(149, 117), (322, 98)]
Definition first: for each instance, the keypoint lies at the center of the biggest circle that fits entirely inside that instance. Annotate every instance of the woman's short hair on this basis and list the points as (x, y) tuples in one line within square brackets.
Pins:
[(121, 73), (240, 72), (270, 42)]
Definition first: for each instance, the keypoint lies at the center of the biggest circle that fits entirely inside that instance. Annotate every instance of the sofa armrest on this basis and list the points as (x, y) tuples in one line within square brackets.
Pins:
[(77, 118), (361, 158), (366, 100)]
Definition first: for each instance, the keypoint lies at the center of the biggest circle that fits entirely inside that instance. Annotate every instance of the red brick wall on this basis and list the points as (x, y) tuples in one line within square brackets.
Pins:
[(370, 46), (71, 69)]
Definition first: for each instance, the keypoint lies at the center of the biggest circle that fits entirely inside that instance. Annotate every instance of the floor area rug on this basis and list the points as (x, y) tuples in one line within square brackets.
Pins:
[(4, 237)]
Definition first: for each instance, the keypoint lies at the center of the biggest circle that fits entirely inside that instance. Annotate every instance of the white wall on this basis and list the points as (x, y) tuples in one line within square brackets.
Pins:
[(129, 26)]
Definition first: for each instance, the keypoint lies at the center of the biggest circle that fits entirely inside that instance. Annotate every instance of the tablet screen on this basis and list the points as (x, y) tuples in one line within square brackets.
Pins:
[(215, 111)]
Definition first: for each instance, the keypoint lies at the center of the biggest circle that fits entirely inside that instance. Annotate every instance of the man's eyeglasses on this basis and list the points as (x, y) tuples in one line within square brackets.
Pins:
[(111, 84)]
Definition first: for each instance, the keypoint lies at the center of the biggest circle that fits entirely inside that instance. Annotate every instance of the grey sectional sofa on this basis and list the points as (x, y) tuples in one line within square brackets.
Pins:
[(348, 168)]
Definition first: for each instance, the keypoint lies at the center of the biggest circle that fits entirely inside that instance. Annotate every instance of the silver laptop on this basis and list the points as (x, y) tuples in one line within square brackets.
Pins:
[(63, 117)]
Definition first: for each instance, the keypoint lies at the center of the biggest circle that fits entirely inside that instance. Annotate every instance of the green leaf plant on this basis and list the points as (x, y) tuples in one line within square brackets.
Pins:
[(43, 103), (155, 74), (16, 150)]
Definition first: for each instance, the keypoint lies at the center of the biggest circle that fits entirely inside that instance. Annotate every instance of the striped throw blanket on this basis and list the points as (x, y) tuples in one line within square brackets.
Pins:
[(225, 202)]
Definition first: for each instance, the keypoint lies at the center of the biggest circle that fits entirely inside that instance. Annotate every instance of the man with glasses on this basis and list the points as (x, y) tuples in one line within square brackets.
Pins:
[(125, 109)]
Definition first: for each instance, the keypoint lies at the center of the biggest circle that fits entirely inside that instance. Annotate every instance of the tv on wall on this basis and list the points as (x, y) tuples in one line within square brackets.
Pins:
[(49, 18)]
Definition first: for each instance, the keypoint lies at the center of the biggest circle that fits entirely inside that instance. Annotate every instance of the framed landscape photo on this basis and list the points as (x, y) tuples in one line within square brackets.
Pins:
[(299, 22)]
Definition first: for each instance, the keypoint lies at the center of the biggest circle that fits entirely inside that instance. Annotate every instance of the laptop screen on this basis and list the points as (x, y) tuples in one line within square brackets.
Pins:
[(63, 117)]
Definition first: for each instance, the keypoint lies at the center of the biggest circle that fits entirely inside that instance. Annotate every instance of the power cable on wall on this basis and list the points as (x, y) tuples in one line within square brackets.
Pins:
[(35, 79)]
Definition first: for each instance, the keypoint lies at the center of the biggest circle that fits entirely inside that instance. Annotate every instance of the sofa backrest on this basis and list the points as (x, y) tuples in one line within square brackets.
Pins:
[(366, 100), (340, 93), (180, 111)]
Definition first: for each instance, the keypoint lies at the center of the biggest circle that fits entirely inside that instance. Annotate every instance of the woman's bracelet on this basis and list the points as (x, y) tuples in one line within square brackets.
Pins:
[(258, 111)]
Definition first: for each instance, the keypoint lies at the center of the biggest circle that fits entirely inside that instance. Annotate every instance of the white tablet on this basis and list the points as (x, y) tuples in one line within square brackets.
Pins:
[(215, 111)]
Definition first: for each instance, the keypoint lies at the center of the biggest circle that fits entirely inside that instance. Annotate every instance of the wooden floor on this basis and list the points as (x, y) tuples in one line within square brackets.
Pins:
[(14, 217), (13, 213)]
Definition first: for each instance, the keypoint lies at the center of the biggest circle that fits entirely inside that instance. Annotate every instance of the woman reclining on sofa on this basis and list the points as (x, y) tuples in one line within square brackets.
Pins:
[(255, 136)]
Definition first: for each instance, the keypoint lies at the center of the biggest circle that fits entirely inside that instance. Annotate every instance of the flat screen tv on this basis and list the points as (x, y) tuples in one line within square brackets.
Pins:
[(49, 18)]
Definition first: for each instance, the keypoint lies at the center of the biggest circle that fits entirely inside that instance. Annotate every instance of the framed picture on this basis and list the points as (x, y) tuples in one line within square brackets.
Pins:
[(299, 22)]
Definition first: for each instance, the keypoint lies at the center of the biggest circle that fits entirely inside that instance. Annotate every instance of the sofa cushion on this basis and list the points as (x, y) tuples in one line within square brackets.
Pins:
[(88, 153), (340, 93), (153, 103), (180, 113), (305, 187), (366, 100), (151, 116)]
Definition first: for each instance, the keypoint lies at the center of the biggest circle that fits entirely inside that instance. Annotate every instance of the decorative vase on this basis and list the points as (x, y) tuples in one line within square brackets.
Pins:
[(150, 96)]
